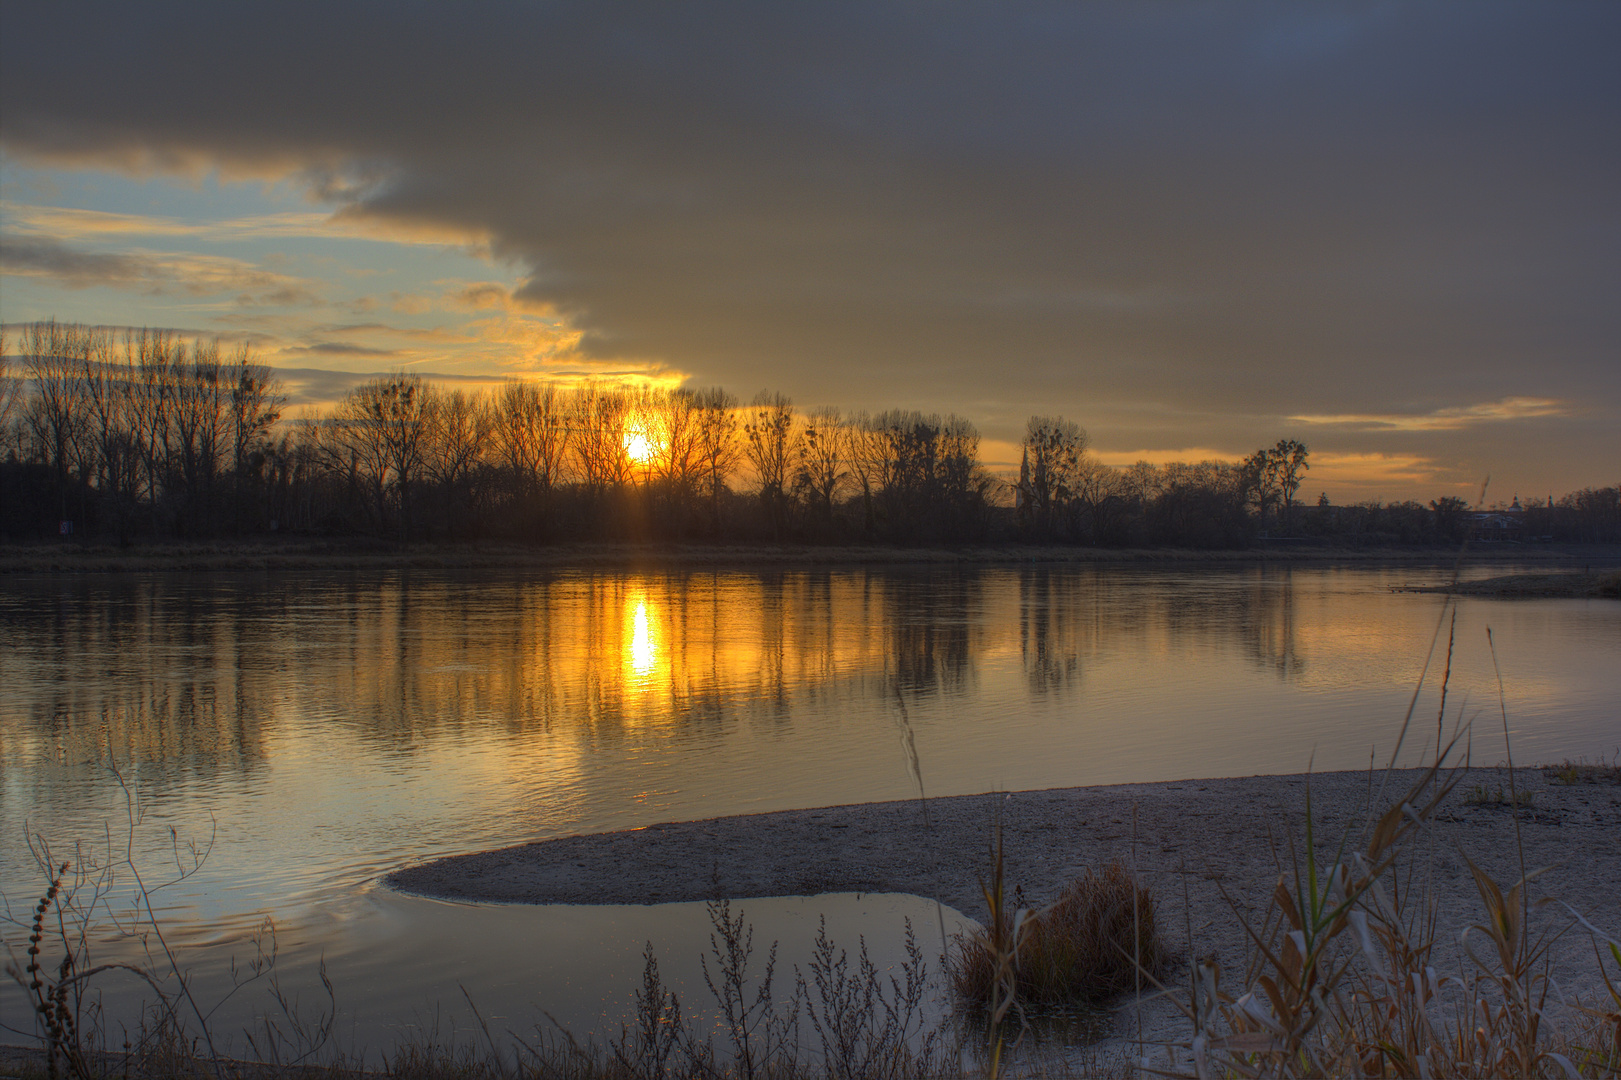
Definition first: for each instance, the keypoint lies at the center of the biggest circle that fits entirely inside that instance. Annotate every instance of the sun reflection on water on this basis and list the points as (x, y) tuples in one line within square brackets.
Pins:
[(643, 642)]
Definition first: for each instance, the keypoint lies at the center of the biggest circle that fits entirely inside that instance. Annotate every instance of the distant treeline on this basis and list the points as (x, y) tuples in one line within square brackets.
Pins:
[(146, 436)]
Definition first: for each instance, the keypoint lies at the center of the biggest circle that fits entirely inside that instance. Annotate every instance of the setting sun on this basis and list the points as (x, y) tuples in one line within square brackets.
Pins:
[(638, 447)]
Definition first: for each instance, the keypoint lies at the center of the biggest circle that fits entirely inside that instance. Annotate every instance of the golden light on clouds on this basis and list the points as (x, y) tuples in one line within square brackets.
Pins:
[(72, 224), (1452, 418), (1121, 459), (1377, 472)]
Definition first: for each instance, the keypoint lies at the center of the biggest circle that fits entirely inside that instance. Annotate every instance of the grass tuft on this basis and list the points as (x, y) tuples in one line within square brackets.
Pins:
[(1481, 795), (1087, 946), (1582, 771)]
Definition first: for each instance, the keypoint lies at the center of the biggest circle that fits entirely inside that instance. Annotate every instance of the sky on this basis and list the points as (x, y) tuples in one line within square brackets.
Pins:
[(1391, 231)]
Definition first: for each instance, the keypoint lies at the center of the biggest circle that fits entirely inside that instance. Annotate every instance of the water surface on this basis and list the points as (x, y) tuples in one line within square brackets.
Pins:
[(316, 730)]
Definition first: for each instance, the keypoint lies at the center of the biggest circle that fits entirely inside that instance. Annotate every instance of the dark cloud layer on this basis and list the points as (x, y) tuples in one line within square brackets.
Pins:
[(1218, 215)]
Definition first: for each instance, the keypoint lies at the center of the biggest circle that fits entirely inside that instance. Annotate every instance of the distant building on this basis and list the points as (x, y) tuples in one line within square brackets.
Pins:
[(1503, 524)]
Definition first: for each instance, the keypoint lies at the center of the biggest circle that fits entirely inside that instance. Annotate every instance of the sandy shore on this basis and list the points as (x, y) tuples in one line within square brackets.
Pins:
[(1193, 841)]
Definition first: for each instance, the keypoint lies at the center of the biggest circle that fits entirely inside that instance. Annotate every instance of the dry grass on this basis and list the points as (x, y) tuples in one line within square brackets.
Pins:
[(1342, 977), (1484, 795), (1342, 980), (1089, 945), (1582, 771)]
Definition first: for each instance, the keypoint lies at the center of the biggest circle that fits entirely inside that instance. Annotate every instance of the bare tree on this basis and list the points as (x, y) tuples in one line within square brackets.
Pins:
[(256, 403), (1052, 453), (678, 457), (602, 414), (532, 428), (644, 433), (199, 420), (962, 479), (909, 470), (458, 428), (152, 358), (768, 443), (11, 392), (863, 449), (718, 448), (382, 428), (821, 469), (254, 406), (1101, 492), (53, 355), (1141, 480), (109, 428), (458, 431)]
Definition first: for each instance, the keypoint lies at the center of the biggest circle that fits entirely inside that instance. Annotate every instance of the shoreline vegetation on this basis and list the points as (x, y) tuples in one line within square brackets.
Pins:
[(1422, 858), (365, 554)]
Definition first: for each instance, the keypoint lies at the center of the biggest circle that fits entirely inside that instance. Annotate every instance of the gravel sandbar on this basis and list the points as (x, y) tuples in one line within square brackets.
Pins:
[(1210, 850)]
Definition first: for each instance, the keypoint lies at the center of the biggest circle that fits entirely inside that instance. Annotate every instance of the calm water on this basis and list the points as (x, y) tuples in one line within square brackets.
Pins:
[(323, 729)]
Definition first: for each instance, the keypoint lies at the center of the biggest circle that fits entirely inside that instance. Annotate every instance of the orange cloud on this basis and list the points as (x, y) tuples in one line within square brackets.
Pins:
[(64, 223), (1376, 471), (1453, 418)]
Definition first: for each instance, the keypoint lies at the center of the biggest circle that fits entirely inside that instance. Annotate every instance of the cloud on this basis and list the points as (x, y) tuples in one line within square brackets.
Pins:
[(1364, 475), (308, 388), (1165, 455), (64, 223), (79, 224), (1322, 212), (481, 296), (76, 269), (339, 348), (1452, 418), (152, 272), (374, 330)]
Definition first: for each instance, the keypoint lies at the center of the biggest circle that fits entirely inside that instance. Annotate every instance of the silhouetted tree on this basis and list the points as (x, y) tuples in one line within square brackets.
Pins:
[(1052, 453), (1451, 518), (602, 414), (53, 356), (768, 443), (820, 472), (382, 429), (1100, 492), (718, 447), (1274, 475), (862, 448), (11, 392)]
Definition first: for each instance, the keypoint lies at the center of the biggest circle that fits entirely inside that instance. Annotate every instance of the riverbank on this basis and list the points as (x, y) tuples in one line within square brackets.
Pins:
[(1569, 584), (357, 554), (1209, 849)]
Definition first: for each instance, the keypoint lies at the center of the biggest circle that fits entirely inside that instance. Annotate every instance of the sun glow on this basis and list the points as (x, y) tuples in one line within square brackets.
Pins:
[(638, 447)]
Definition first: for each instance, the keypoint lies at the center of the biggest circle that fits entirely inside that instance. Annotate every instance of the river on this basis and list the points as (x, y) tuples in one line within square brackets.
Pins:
[(311, 731)]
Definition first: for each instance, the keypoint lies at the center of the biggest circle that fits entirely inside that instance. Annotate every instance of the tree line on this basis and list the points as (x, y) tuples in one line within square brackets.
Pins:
[(142, 435)]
